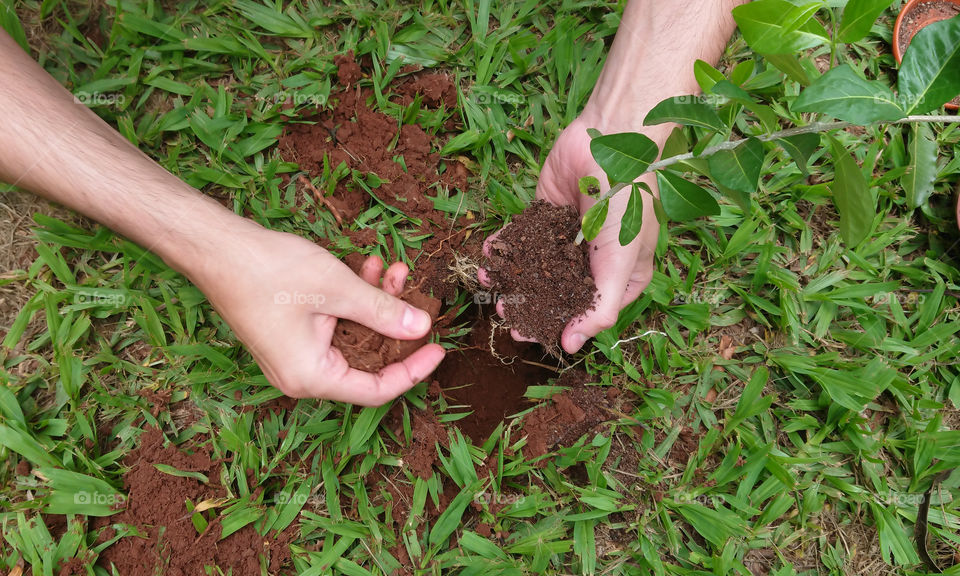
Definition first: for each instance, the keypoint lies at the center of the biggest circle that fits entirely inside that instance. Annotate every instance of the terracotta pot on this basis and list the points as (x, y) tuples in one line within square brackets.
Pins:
[(910, 8)]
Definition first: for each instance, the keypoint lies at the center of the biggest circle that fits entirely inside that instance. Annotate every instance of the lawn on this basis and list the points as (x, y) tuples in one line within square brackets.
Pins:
[(778, 401)]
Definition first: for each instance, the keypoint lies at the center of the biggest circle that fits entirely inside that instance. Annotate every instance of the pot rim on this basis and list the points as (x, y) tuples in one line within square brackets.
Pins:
[(907, 8)]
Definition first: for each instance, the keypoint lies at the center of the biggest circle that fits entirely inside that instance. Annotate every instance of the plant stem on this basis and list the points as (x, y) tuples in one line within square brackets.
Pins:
[(813, 128)]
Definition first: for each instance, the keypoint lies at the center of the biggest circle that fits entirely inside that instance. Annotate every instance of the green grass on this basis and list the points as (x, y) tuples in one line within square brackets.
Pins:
[(835, 414)]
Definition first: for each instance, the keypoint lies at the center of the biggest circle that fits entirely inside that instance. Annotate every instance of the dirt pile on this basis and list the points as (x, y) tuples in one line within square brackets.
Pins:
[(542, 277), (568, 416), (156, 506)]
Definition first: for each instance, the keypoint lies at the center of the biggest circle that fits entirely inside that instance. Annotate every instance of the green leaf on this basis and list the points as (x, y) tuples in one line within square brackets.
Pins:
[(790, 65), (800, 148), (683, 200), (623, 156), (738, 169), (685, 110), (706, 75), (633, 218), (167, 469), (716, 525), (851, 196), (589, 186), (918, 182), (858, 18), (11, 23), (594, 218), (779, 26), (928, 75), (844, 94), (449, 520)]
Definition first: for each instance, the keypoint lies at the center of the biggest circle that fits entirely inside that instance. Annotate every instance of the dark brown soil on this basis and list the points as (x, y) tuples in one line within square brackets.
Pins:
[(922, 15), (542, 277), (155, 505)]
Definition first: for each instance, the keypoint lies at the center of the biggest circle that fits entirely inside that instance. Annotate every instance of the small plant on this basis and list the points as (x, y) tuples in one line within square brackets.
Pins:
[(776, 29)]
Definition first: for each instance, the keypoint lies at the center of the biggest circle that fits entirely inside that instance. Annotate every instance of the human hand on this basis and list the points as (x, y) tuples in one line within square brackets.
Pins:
[(283, 295), (620, 272)]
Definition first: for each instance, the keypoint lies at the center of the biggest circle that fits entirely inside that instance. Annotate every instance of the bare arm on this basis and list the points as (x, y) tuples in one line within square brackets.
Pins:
[(55, 147), (651, 59)]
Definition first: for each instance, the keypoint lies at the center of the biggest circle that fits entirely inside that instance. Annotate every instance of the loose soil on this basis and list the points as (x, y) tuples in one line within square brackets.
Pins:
[(922, 15), (489, 384), (156, 507), (543, 278)]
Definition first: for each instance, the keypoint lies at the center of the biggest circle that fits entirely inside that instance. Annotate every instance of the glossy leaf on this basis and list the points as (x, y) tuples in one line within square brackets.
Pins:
[(790, 65), (685, 110), (844, 94), (851, 196), (930, 74), (683, 200), (633, 218), (706, 75), (589, 186), (623, 156), (918, 182), (593, 220), (738, 169), (779, 26), (800, 148), (858, 18)]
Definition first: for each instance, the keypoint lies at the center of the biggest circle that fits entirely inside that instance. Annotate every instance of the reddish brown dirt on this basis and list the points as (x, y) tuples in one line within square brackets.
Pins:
[(156, 506), (543, 278), (368, 350), (570, 415), (922, 15), (493, 390), (362, 138)]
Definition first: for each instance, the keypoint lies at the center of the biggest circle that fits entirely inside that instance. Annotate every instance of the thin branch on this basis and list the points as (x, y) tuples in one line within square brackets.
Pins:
[(812, 128)]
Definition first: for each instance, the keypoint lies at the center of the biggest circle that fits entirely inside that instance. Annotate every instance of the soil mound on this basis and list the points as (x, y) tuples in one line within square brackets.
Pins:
[(543, 278)]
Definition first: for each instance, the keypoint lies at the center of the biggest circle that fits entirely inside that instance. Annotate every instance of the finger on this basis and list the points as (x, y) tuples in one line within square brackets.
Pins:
[(499, 306), (489, 241), (611, 290), (353, 299), (395, 278), (520, 337), (484, 277), (372, 270), (366, 389)]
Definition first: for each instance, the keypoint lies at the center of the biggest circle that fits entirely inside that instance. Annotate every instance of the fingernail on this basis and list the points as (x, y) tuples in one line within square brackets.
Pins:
[(578, 340), (415, 320)]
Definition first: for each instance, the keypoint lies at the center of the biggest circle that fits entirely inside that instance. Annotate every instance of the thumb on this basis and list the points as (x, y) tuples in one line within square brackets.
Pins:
[(359, 301)]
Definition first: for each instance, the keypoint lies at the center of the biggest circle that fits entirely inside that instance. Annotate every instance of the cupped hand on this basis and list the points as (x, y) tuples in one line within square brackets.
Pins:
[(282, 295), (621, 272)]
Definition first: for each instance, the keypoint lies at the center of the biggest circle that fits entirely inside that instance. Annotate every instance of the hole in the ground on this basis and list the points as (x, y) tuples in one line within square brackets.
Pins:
[(475, 378)]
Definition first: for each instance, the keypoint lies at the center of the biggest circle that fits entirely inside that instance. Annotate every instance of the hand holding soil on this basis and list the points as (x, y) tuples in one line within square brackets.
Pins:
[(620, 273), (286, 296)]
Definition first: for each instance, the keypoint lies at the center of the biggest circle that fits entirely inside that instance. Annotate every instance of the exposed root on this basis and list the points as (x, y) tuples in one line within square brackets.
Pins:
[(494, 326), (463, 270)]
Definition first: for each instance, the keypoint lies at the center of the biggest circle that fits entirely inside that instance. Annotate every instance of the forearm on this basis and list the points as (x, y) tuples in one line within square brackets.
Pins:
[(56, 147), (653, 54)]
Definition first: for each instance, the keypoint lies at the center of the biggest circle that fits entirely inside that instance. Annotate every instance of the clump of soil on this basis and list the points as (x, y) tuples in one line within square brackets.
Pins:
[(370, 351), (542, 276), (922, 15), (156, 507), (570, 415)]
